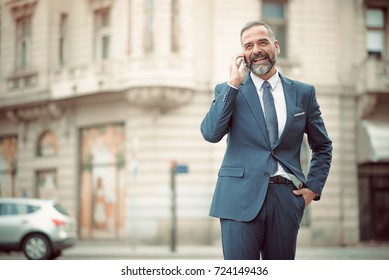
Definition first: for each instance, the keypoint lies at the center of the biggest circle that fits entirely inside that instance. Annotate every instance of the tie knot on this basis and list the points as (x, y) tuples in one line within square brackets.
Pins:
[(266, 85)]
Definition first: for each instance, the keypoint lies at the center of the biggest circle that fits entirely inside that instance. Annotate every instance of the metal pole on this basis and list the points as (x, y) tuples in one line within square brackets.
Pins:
[(173, 207)]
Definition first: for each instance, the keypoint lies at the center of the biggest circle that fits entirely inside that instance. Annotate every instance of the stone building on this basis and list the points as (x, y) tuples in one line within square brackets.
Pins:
[(100, 98)]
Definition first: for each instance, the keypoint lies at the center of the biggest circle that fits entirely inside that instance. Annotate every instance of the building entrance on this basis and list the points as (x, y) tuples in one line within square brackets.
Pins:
[(374, 201)]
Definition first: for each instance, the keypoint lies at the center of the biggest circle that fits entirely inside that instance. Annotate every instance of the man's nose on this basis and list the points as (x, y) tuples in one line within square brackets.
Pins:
[(257, 50)]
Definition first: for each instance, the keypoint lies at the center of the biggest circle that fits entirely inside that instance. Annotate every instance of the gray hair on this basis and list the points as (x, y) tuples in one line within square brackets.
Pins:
[(258, 23)]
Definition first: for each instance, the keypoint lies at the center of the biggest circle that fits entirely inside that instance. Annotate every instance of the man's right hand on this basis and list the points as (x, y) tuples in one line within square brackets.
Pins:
[(237, 73)]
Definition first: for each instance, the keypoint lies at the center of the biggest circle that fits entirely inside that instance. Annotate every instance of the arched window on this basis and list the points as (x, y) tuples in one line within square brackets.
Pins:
[(47, 144)]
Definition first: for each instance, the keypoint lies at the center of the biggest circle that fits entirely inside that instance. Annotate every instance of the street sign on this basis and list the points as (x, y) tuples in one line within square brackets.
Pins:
[(182, 168), (174, 170)]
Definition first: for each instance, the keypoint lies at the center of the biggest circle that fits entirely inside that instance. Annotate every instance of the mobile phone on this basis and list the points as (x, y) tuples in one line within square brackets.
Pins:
[(246, 62), (242, 65)]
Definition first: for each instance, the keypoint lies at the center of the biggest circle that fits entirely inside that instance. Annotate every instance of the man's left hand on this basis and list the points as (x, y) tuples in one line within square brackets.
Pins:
[(307, 194)]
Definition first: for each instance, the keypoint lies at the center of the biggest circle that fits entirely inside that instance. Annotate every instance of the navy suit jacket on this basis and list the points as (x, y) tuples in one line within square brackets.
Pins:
[(243, 177)]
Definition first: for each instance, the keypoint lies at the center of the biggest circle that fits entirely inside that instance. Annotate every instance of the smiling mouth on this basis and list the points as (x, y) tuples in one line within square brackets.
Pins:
[(259, 60)]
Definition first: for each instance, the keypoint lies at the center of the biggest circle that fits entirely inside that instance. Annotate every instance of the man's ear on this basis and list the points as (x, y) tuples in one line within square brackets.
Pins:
[(277, 47)]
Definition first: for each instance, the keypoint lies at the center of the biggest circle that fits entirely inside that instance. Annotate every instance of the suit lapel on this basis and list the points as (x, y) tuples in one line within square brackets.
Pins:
[(290, 93), (249, 92)]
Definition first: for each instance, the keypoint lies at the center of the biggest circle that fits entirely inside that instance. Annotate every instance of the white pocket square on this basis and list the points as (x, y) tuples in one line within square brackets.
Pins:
[(299, 114)]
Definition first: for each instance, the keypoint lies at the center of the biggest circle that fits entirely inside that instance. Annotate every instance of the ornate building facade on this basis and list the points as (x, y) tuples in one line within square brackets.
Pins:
[(99, 97)]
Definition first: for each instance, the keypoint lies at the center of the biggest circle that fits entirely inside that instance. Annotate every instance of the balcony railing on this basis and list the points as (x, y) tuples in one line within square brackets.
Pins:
[(147, 83), (22, 81), (372, 76)]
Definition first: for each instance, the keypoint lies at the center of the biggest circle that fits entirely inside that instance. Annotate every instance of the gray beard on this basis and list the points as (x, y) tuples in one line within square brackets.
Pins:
[(262, 69)]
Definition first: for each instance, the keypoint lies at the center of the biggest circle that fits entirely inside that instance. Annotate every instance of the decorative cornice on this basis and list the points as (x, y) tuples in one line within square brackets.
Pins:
[(21, 8), (51, 111), (160, 98), (100, 4)]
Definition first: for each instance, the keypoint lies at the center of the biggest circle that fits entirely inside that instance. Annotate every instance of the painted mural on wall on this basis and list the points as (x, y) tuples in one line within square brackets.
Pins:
[(102, 190), (8, 165)]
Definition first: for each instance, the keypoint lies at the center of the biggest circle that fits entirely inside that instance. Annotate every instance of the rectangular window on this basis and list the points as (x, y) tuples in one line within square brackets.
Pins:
[(149, 27), (274, 14), (46, 184), (105, 47), (23, 43), (175, 25), (375, 35), (62, 40), (129, 25), (102, 34)]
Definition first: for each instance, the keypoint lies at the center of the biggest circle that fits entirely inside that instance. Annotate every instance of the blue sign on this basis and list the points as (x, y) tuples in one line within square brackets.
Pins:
[(182, 168)]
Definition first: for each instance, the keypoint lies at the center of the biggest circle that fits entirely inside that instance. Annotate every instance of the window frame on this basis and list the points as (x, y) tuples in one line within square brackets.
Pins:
[(102, 34), (23, 43), (43, 137), (384, 30), (275, 23), (149, 26), (175, 26), (53, 192), (62, 39)]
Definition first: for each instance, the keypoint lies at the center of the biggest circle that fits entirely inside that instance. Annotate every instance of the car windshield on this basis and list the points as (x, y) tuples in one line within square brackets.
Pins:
[(60, 209)]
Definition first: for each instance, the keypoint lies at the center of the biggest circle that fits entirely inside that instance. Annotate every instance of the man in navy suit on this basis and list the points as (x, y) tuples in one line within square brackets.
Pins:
[(261, 191)]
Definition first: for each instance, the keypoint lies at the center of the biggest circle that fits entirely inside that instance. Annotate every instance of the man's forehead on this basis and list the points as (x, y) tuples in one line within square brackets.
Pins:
[(257, 31)]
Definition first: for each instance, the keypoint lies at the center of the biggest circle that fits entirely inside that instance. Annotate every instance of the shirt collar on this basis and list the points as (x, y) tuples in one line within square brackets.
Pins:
[(273, 80)]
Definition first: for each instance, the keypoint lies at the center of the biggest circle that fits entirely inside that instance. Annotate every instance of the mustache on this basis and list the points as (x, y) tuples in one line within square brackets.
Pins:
[(261, 55)]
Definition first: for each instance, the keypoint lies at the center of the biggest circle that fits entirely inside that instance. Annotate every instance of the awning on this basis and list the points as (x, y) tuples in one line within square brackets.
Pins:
[(373, 141)]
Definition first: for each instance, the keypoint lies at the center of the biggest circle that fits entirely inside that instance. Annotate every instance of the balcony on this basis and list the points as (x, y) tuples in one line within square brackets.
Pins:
[(82, 80), (372, 76), (25, 80), (23, 87), (159, 99), (160, 84)]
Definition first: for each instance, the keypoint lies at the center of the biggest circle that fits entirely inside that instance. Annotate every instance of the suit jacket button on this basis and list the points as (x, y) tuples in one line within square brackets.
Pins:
[(267, 174)]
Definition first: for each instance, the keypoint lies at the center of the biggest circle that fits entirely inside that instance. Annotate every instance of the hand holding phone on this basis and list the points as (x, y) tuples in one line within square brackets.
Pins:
[(237, 70), (242, 65)]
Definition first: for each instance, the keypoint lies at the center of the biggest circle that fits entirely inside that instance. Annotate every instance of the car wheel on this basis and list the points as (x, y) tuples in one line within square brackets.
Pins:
[(55, 254), (36, 247)]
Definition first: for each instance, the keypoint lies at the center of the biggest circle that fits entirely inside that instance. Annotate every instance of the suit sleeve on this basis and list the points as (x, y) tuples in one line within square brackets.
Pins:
[(216, 122), (321, 147)]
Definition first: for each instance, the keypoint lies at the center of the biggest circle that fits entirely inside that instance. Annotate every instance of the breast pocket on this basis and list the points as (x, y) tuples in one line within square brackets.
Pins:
[(298, 124), (237, 172)]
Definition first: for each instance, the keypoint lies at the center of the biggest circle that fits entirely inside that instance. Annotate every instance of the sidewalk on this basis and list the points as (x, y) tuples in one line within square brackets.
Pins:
[(100, 250), (119, 250)]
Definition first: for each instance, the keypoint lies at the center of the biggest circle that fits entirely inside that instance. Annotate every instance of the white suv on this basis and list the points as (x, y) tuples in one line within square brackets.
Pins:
[(40, 228)]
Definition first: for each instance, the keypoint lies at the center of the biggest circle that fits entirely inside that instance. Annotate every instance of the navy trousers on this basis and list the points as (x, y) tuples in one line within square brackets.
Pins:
[(272, 235)]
